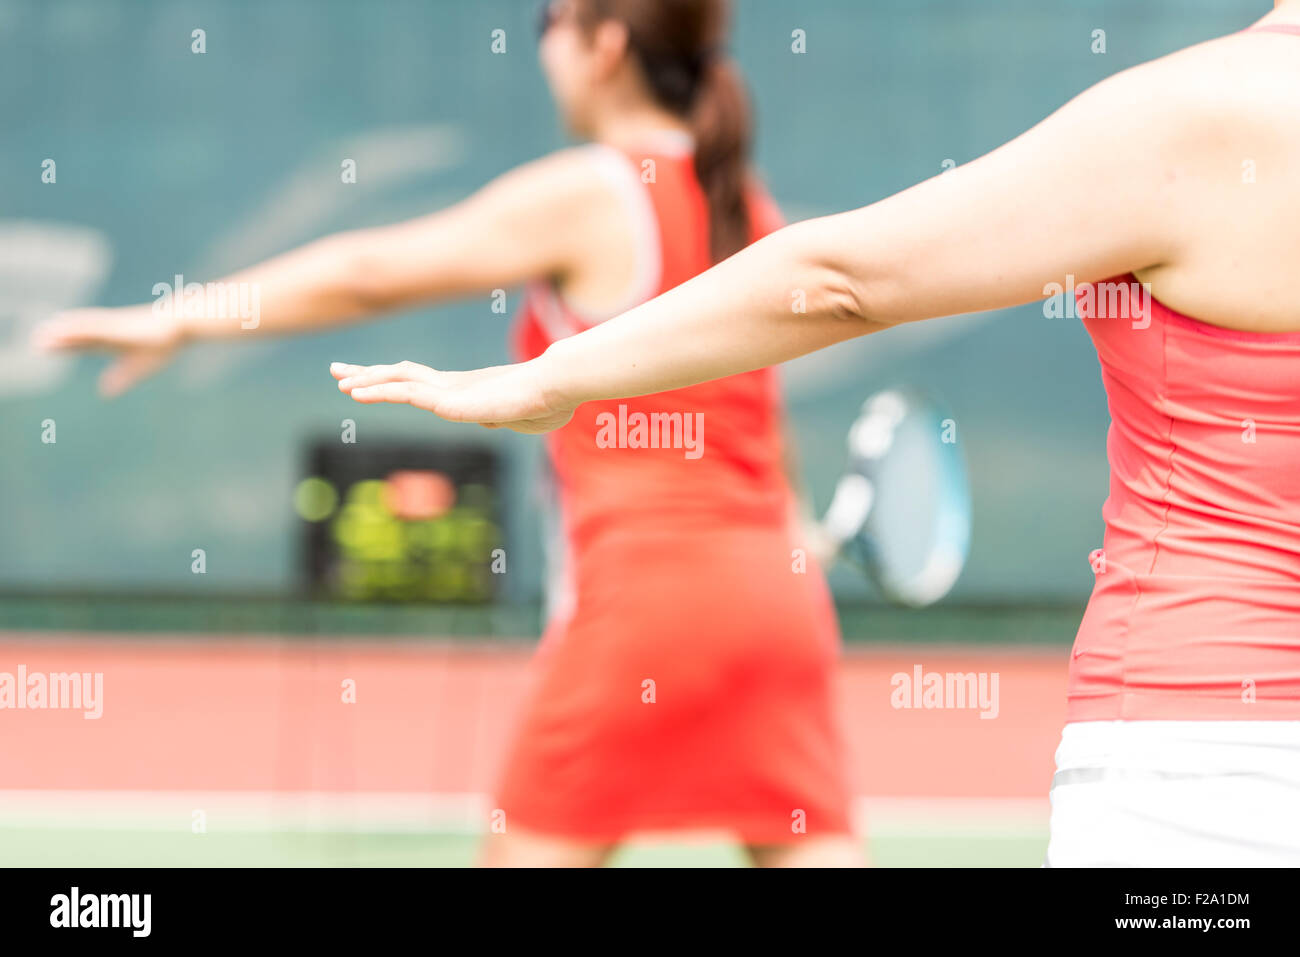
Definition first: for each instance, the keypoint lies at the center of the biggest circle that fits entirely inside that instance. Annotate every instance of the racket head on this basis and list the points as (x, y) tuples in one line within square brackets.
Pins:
[(902, 508)]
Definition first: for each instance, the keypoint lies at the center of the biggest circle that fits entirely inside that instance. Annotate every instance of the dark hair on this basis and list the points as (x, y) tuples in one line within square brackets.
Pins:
[(678, 44)]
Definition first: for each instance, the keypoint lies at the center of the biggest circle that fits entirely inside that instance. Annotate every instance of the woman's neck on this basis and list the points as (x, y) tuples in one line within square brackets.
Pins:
[(634, 127), (1284, 11)]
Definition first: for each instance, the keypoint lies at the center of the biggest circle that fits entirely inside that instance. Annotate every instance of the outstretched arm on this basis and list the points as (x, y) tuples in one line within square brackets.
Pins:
[(1099, 188), (502, 235)]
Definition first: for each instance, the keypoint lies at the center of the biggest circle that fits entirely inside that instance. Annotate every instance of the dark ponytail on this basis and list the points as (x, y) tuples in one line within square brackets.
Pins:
[(678, 44), (721, 123)]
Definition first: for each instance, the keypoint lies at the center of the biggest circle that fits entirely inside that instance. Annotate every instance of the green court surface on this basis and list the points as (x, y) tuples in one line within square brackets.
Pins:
[(62, 847)]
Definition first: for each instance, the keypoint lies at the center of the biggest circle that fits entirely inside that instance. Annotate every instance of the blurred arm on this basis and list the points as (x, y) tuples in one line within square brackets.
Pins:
[(506, 233)]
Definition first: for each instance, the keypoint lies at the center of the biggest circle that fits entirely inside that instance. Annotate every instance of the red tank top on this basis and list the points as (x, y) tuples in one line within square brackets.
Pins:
[(699, 458), (1195, 613)]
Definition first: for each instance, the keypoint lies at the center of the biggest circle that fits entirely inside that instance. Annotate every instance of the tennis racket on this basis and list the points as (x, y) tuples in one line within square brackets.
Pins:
[(901, 510)]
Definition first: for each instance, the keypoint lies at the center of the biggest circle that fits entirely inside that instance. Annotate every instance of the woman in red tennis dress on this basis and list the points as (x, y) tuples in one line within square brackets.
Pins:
[(686, 674), (687, 664), (686, 669)]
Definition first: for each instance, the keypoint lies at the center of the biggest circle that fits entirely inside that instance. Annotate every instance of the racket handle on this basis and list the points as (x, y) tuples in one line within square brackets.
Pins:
[(849, 508)]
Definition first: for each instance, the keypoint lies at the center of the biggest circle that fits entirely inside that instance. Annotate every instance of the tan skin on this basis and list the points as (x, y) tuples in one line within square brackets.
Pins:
[(1141, 173), (553, 219)]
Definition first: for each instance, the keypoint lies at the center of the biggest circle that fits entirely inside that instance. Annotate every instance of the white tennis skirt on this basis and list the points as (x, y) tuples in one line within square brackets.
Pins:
[(1176, 794)]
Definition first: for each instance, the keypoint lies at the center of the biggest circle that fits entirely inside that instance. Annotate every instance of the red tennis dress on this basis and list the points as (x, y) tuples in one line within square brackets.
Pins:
[(686, 674)]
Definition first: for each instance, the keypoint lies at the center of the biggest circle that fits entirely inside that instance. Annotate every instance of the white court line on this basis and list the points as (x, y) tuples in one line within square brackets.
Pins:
[(442, 813)]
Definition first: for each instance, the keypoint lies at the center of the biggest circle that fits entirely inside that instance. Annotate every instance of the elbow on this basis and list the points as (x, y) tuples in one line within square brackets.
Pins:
[(841, 295), (851, 279), (360, 279), (827, 286)]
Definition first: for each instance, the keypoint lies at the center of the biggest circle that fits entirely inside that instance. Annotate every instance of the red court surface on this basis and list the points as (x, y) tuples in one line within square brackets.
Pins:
[(266, 714)]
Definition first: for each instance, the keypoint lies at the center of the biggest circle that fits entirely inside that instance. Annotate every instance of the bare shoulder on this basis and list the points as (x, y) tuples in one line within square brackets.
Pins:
[(571, 203), (1242, 80), (567, 176), (1230, 168), (1193, 115)]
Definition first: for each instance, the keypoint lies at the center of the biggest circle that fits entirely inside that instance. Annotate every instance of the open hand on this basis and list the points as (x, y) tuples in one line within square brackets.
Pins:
[(511, 396), (144, 342)]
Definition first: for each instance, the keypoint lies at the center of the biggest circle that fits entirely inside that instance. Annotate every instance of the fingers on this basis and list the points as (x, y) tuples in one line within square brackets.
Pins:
[(69, 330), (128, 370), (341, 370), (354, 377), (497, 397), (402, 393), (45, 336), (403, 383), (423, 395), (118, 328)]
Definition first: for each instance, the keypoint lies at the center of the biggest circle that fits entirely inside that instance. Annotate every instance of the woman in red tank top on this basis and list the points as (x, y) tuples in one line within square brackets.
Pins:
[(1166, 192), (685, 678)]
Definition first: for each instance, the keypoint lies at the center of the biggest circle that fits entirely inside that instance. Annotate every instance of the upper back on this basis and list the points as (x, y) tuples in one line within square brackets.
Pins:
[(1238, 245), (711, 452)]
